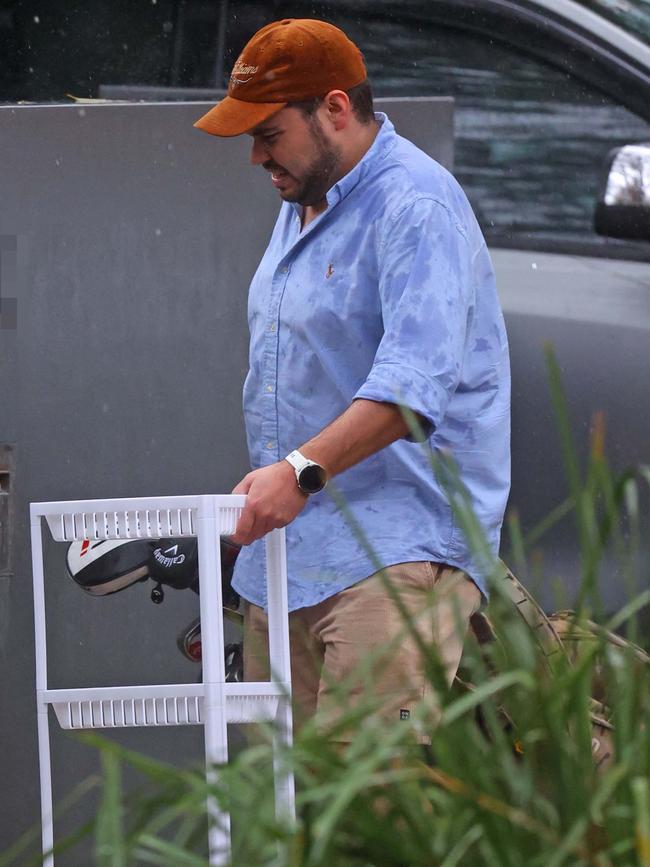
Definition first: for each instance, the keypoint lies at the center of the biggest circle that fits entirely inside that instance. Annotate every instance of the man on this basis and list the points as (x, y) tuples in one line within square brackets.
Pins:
[(376, 292)]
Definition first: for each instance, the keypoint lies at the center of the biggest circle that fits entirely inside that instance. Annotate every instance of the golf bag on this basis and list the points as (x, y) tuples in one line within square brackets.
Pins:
[(560, 633)]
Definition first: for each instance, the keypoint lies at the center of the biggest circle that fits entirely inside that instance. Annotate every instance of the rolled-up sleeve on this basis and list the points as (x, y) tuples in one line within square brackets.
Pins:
[(426, 290)]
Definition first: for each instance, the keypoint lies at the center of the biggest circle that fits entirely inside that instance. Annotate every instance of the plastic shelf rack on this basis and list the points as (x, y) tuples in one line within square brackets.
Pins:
[(213, 703)]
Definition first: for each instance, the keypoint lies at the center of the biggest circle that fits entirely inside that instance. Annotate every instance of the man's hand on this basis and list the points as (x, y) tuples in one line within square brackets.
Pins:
[(273, 500)]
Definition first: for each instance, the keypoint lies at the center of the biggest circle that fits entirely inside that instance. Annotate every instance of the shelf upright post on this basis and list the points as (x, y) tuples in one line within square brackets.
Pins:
[(214, 673), (40, 642), (279, 655)]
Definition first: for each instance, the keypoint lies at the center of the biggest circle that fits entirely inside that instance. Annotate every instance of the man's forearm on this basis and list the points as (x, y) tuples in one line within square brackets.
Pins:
[(364, 428)]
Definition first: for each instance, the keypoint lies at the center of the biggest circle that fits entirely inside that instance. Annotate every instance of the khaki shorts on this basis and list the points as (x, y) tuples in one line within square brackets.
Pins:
[(355, 647)]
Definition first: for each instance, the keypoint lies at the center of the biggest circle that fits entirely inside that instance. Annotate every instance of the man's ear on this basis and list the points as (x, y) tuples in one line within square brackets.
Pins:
[(338, 108)]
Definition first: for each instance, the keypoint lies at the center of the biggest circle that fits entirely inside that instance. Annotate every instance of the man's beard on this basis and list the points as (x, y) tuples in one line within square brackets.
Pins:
[(316, 180)]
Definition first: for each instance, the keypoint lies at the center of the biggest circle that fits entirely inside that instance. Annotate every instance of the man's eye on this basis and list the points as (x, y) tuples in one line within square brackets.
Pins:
[(268, 139)]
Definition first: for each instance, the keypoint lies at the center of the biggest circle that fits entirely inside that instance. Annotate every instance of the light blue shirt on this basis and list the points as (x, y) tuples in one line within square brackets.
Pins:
[(388, 295)]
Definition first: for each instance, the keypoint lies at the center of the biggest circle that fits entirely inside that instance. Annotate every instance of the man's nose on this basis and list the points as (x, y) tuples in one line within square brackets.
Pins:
[(259, 153)]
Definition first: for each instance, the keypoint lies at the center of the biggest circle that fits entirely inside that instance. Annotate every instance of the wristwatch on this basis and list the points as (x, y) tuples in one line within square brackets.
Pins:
[(311, 477)]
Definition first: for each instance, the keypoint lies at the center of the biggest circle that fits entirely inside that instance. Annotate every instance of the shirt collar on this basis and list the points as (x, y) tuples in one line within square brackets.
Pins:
[(382, 145)]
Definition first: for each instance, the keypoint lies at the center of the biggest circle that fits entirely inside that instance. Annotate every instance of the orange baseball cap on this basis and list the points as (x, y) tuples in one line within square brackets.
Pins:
[(287, 61)]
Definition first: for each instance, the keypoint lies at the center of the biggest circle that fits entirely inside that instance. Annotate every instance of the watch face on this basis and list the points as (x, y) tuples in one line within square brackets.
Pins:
[(312, 479)]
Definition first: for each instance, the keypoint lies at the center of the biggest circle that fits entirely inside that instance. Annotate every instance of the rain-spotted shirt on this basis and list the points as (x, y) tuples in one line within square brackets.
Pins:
[(388, 295)]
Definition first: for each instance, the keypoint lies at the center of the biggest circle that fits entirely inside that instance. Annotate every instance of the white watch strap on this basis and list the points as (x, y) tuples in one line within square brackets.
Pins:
[(297, 461)]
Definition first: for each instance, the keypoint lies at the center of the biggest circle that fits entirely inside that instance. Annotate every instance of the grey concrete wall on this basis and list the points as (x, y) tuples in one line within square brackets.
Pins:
[(136, 237)]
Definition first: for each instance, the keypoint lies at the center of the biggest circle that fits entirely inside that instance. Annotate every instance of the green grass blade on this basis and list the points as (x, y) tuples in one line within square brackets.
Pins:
[(110, 842), (152, 850), (641, 793)]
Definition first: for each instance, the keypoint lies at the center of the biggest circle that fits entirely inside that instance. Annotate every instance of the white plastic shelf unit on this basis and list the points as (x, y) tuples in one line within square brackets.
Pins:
[(212, 703)]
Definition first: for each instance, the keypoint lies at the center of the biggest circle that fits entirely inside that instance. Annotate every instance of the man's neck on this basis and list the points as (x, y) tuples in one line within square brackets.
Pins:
[(357, 151), (310, 212)]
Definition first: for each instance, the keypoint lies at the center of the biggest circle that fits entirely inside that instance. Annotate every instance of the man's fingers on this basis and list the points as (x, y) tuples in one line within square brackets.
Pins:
[(244, 486), (243, 534)]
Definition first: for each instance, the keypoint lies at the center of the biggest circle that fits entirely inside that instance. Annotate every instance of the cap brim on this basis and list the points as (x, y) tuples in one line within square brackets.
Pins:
[(234, 116)]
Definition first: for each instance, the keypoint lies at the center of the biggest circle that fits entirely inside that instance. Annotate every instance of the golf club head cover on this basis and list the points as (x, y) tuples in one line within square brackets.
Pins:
[(104, 567), (175, 564)]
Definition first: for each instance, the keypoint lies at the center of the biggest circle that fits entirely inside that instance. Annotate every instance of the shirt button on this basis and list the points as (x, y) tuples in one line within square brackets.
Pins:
[(284, 270), (270, 445), (272, 326), (269, 388)]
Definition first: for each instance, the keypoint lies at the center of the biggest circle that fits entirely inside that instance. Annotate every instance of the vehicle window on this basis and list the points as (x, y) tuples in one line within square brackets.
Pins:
[(530, 139)]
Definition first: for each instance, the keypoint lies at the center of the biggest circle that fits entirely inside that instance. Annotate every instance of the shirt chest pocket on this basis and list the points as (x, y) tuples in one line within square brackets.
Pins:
[(328, 296)]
